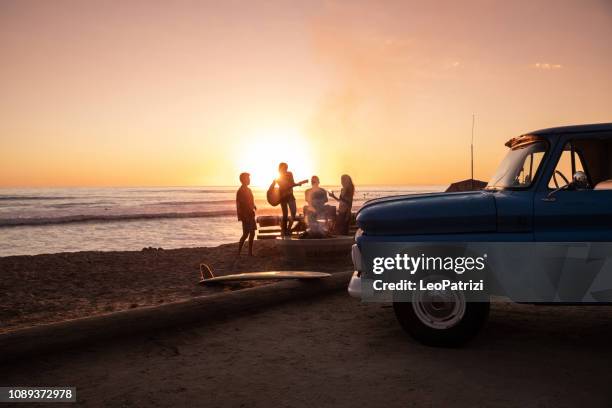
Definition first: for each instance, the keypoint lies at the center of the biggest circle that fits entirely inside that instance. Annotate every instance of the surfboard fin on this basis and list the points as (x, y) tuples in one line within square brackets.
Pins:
[(203, 267)]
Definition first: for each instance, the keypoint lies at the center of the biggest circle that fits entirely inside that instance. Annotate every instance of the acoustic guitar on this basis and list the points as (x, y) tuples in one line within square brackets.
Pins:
[(273, 194)]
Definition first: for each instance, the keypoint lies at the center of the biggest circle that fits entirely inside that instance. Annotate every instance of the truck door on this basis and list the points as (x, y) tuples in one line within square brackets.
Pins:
[(573, 223), (563, 213)]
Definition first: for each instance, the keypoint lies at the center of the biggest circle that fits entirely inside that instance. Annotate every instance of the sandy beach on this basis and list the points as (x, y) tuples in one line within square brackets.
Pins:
[(55, 287), (338, 352)]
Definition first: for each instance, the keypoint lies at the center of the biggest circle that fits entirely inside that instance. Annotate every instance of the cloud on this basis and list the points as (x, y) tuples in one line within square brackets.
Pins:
[(547, 66), (453, 65)]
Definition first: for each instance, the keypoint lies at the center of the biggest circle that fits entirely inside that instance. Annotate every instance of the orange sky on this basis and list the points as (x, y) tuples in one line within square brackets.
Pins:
[(193, 92)]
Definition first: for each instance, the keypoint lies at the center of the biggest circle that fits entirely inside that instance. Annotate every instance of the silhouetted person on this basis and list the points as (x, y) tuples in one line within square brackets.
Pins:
[(345, 203), (316, 197), (287, 200), (245, 208)]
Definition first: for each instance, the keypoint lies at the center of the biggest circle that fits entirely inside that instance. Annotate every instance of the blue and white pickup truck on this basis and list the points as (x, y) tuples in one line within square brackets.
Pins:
[(553, 186)]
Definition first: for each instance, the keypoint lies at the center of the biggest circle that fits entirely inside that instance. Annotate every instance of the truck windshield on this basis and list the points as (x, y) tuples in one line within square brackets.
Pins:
[(520, 166)]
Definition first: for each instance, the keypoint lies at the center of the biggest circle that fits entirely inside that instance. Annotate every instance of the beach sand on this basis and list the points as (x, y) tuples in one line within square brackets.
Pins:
[(336, 351), (55, 287)]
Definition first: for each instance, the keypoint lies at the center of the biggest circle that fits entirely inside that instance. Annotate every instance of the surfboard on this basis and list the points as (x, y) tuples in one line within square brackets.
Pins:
[(264, 276)]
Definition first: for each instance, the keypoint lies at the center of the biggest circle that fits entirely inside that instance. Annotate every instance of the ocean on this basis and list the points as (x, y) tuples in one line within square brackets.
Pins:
[(49, 220)]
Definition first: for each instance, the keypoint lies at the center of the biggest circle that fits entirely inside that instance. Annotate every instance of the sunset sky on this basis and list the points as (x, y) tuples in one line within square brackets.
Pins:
[(134, 93)]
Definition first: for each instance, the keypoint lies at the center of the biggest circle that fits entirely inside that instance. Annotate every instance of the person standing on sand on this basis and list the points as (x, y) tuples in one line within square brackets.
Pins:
[(345, 203), (287, 200), (245, 208)]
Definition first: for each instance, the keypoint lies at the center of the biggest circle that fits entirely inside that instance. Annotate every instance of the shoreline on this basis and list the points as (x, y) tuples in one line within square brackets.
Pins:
[(51, 288)]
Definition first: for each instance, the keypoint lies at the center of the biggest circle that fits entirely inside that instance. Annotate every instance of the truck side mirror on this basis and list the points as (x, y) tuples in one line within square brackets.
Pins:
[(580, 180)]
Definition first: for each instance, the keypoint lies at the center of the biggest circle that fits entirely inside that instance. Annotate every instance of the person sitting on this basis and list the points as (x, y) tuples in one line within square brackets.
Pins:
[(316, 197), (345, 203)]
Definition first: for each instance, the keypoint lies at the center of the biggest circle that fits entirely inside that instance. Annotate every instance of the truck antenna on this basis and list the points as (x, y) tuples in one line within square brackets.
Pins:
[(472, 153)]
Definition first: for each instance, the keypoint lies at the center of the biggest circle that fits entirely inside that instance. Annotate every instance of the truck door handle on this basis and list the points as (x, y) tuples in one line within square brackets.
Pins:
[(549, 199)]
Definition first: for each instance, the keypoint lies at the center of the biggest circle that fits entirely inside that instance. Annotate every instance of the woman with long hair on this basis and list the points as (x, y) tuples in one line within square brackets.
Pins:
[(345, 203)]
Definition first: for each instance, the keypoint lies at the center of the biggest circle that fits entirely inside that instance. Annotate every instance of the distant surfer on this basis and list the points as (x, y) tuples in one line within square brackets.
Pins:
[(245, 208), (286, 183)]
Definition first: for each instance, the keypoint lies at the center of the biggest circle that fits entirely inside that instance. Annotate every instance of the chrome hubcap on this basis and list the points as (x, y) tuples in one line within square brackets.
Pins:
[(439, 309)]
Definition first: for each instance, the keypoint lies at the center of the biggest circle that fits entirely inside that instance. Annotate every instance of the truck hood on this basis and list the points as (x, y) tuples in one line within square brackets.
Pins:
[(438, 213)]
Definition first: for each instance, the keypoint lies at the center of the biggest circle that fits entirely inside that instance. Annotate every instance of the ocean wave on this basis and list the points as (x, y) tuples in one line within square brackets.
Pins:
[(23, 198), (181, 190), (202, 202), (80, 204), (104, 218)]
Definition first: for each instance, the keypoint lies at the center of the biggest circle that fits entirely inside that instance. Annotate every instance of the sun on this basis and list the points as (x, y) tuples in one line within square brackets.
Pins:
[(264, 149)]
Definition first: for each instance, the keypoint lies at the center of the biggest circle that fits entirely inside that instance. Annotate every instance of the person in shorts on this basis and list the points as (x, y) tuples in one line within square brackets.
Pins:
[(245, 209)]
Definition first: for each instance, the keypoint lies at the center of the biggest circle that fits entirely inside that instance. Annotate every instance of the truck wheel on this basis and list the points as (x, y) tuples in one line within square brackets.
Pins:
[(441, 318)]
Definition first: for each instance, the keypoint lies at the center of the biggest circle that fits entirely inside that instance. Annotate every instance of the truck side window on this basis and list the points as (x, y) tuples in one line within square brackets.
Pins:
[(596, 155), (564, 166), (530, 166)]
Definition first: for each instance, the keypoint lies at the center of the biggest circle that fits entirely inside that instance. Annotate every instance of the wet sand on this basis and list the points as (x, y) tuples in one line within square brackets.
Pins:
[(337, 352), (55, 287)]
